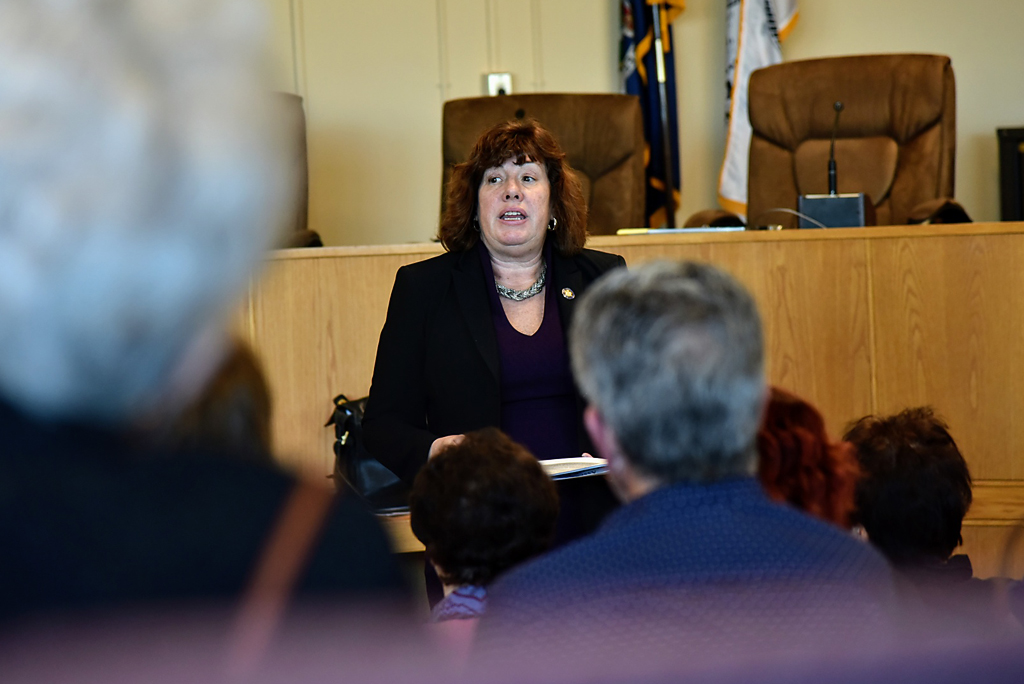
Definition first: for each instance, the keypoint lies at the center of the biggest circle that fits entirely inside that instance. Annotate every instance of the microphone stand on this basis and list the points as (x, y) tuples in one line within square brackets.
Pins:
[(666, 138), (838, 106)]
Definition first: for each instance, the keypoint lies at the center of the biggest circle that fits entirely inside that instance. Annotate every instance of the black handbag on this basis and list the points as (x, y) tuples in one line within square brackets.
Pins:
[(355, 469)]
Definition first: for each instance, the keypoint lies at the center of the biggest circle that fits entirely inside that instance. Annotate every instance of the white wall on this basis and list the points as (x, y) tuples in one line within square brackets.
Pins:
[(375, 74)]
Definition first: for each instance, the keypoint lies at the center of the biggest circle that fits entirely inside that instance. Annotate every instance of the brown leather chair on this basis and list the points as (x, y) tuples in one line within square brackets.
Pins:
[(896, 139), (602, 136)]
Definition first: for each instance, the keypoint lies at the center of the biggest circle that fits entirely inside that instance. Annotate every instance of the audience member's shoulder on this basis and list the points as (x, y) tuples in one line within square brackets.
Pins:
[(421, 285), (354, 555), (527, 593), (351, 554), (832, 546), (431, 268), (550, 573)]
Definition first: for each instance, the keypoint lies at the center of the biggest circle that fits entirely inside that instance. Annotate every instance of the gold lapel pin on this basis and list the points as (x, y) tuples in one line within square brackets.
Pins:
[(568, 294)]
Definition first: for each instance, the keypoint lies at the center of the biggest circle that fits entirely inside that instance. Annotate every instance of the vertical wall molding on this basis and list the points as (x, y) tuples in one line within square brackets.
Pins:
[(536, 31), (444, 81), (493, 51), (299, 50)]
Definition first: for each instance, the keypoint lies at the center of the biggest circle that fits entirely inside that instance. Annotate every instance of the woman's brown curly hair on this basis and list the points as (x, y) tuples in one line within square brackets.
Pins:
[(523, 141), (799, 465)]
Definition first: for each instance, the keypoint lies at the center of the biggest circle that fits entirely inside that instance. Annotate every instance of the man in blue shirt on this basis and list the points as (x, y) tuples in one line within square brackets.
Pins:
[(698, 560)]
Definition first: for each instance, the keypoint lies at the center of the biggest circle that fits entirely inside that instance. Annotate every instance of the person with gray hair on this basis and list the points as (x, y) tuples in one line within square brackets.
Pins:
[(142, 178), (672, 367), (670, 359)]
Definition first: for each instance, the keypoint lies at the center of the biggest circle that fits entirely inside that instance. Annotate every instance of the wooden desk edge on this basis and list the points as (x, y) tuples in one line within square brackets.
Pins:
[(400, 533), (612, 241)]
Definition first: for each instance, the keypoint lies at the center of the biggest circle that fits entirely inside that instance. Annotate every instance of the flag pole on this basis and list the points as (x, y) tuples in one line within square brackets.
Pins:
[(666, 144)]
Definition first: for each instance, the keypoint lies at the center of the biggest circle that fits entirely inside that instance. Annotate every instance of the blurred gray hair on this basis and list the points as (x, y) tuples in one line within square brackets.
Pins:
[(140, 182), (671, 356)]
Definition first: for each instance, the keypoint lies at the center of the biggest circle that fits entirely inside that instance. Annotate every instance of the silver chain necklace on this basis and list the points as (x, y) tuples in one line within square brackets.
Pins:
[(520, 295)]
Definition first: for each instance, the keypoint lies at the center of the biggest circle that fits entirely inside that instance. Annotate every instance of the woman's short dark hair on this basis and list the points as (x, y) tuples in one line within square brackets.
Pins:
[(481, 507), (524, 141), (916, 487), (798, 464)]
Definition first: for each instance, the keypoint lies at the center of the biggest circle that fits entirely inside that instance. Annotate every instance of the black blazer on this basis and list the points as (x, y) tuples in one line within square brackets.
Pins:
[(437, 369)]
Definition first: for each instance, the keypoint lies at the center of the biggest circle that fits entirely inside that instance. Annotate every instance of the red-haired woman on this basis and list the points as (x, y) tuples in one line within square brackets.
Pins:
[(476, 337), (798, 464)]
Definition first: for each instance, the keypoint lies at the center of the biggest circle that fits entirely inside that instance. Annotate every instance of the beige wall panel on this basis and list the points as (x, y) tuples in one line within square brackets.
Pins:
[(513, 41), (579, 46), (282, 45), (954, 333), (373, 105), (464, 42)]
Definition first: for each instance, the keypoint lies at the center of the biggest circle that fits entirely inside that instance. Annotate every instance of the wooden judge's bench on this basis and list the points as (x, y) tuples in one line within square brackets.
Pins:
[(858, 321)]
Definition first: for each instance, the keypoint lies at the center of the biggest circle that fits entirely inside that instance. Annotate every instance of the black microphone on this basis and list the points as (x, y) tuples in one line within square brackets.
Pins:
[(834, 210), (838, 106)]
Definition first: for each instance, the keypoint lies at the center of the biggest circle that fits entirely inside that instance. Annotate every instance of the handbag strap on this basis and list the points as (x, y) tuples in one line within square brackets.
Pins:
[(285, 555)]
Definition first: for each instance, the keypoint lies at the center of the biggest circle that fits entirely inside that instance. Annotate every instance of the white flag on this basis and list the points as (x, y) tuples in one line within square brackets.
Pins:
[(753, 31)]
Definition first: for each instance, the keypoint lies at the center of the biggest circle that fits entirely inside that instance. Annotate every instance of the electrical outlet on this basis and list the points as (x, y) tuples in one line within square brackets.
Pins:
[(499, 84)]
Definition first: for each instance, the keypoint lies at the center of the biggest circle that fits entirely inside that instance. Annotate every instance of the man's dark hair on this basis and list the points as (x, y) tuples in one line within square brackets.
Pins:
[(915, 488), (481, 507)]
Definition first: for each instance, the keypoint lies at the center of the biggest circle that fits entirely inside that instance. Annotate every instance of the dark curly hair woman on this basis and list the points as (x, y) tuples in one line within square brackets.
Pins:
[(476, 337), (916, 487), (480, 507)]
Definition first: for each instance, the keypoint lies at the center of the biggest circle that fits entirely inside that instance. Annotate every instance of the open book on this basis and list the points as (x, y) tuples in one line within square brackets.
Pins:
[(569, 468)]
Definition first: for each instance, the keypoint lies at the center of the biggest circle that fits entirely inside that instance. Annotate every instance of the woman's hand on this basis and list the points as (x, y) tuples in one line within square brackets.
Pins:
[(442, 443)]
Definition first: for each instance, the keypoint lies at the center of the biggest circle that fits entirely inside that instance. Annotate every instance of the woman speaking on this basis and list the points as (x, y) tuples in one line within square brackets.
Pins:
[(476, 337)]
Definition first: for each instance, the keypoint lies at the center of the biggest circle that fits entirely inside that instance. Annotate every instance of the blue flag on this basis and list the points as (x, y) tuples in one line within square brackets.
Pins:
[(642, 76)]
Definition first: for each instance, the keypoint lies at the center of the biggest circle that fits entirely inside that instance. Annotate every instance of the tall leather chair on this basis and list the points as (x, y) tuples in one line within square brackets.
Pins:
[(601, 135), (297, 234), (896, 139)]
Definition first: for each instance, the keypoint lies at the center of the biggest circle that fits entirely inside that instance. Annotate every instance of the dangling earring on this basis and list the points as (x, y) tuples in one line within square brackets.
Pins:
[(553, 223), (476, 224)]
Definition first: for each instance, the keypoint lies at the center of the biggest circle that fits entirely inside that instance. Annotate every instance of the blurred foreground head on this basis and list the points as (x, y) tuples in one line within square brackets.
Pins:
[(670, 356), (230, 416), (140, 182), (481, 507)]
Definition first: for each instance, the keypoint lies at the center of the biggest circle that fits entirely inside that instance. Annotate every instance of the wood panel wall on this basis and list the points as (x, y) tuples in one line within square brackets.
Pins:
[(857, 321)]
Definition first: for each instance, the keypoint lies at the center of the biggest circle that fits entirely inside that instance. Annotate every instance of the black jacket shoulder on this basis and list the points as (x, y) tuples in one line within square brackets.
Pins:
[(599, 261)]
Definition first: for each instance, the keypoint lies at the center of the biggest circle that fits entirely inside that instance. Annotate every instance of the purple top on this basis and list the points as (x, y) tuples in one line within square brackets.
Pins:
[(538, 397)]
